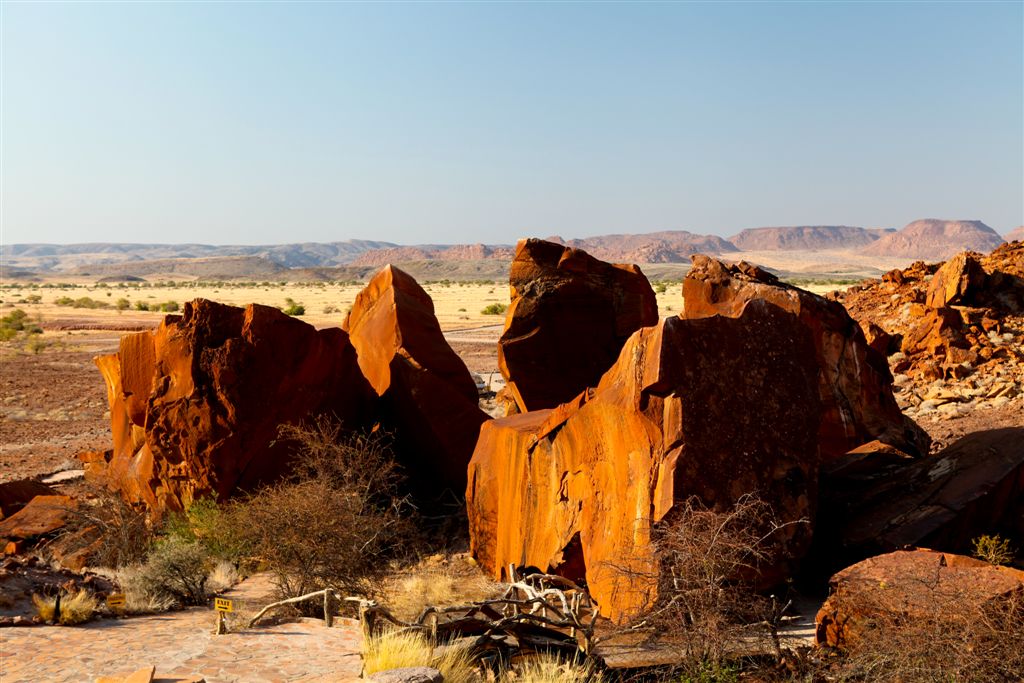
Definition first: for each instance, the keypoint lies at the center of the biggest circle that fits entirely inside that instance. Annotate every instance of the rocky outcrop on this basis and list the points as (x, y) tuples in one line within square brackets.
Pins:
[(854, 382), (714, 408), (882, 500), (428, 399), (902, 587), (569, 317), (197, 403), (935, 240), (949, 321)]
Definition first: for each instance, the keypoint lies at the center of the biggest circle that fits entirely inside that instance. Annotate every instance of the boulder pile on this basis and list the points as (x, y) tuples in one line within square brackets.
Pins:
[(196, 403), (750, 390), (953, 330)]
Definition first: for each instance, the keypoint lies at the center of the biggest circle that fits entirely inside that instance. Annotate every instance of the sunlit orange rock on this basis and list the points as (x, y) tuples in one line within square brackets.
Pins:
[(714, 408), (854, 381), (913, 585), (956, 281), (569, 317), (428, 399), (196, 403)]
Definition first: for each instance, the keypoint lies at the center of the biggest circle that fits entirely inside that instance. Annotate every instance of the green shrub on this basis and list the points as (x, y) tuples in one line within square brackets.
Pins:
[(993, 549), (169, 306), (141, 306), (293, 308), (122, 304), (494, 309), (178, 570)]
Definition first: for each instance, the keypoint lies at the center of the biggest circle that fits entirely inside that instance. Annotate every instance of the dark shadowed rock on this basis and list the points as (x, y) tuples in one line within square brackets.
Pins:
[(14, 495), (569, 317), (879, 501)]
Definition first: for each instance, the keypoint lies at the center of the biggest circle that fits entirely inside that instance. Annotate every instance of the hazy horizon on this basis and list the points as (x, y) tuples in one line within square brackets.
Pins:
[(273, 123)]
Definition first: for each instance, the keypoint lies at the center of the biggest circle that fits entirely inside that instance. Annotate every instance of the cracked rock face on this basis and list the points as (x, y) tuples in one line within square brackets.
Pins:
[(713, 408), (196, 403), (854, 381)]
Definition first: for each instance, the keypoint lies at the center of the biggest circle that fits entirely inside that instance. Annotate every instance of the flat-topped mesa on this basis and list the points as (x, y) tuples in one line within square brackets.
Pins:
[(577, 490), (196, 403), (428, 399), (570, 316), (854, 381)]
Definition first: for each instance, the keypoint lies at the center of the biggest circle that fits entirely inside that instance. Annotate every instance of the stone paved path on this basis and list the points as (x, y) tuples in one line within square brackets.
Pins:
[(182, 644)]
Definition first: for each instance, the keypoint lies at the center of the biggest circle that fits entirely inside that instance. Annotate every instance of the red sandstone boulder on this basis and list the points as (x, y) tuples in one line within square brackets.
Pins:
[(195, 404), (43, 515), (569, 317), (956, 281), (428, 399), (915, 585), (714, 408), (854, 381), (14, 495)]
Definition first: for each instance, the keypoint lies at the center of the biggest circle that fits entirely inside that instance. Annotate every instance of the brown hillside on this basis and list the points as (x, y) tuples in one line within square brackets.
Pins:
[(932, 239)]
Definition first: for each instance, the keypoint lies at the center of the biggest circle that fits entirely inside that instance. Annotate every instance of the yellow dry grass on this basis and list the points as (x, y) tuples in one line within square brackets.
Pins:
[(549, 669), (437, 581), (398, 650), (457, 305), (75, 608)]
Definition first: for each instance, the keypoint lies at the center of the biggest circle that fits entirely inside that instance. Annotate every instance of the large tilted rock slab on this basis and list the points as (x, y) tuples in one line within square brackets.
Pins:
[(196, 404), (974, 486), (428, 399), (854, 381), (914, 585), (569, 317), (714, 408)]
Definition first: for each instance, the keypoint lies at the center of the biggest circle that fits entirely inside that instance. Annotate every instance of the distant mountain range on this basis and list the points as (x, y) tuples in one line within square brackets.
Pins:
[(924, 239)]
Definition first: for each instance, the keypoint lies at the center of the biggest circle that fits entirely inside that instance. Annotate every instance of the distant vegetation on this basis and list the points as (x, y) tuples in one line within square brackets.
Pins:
[(494, 309)]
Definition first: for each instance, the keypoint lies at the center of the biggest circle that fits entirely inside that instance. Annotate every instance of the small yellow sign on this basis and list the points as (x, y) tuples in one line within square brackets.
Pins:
[(116, 600), (223, 605)]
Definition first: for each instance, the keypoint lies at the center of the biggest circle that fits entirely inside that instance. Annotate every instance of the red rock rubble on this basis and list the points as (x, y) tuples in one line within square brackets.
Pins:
[(953, 329)]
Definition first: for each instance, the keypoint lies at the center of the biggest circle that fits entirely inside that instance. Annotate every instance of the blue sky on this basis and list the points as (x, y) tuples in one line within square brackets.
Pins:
[(461, 122)]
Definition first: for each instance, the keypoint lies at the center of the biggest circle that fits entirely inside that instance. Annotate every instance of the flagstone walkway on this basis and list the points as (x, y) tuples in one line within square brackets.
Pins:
[(182, 646)]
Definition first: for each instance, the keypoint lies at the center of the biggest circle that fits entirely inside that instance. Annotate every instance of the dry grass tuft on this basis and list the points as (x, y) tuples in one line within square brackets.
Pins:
[(549, 669), (437, 581), (75, 608), (398, 649)]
